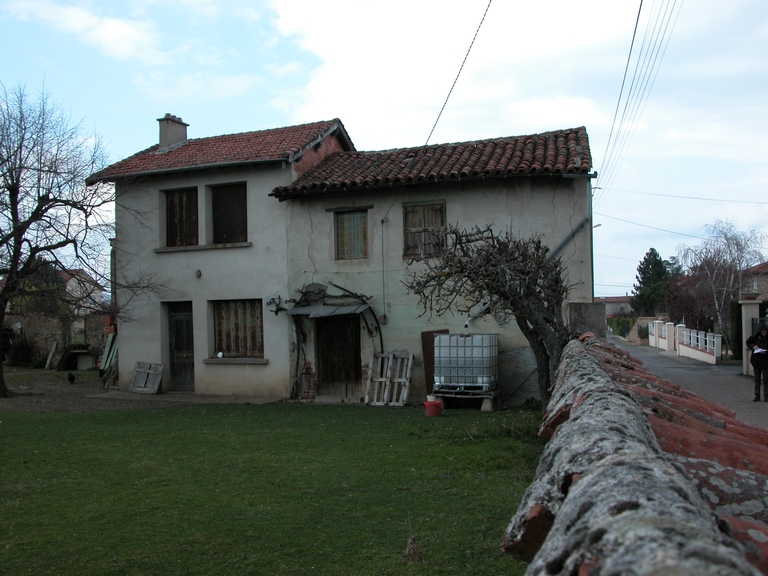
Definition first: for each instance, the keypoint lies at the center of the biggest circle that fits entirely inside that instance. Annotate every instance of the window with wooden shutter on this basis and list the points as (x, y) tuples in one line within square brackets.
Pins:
[(351, 235), (238, 330), (230, 213), (181, 217), (422, 224)]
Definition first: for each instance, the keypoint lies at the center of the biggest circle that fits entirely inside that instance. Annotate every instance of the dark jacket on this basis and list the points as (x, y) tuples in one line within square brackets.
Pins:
[(757, 340)]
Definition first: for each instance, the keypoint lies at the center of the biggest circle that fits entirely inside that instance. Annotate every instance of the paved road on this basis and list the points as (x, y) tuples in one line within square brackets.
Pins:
[(722, 383)]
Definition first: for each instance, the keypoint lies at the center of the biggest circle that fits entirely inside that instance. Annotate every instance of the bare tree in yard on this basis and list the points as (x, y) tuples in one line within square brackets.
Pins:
[(517, 276), (718, 264), (48, 216)]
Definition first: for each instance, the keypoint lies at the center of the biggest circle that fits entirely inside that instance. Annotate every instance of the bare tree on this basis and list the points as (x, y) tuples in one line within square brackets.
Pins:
[(719, 262), (48, 216), (515, 277)]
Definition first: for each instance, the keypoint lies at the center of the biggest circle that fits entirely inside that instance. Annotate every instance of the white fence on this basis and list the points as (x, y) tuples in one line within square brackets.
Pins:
[(703, 346)]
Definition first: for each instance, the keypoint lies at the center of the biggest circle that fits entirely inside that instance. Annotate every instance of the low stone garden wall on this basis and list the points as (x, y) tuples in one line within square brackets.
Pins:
[(640, 477)]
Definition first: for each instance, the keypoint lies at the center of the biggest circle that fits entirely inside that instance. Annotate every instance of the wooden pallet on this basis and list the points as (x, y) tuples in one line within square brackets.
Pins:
[(400, 378), (389, 378), (378, 378)]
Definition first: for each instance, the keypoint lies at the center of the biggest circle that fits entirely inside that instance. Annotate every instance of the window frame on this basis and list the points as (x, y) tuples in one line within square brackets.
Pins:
[(244, 340), (347, 230), (415, 250), (229, 213), (189, 209)]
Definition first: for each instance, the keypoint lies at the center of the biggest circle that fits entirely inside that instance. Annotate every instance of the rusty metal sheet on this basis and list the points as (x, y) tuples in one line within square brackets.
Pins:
[(326, 310)]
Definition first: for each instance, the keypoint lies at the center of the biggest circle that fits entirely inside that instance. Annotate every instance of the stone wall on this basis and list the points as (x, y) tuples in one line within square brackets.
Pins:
[(43, 330), (617, 491)]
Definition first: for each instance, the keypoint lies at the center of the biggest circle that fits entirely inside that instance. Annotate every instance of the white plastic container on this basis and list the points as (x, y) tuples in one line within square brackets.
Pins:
[(466, 363)]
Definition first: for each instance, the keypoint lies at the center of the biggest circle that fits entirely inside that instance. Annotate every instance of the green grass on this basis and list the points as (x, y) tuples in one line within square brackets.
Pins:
[(272, 489)]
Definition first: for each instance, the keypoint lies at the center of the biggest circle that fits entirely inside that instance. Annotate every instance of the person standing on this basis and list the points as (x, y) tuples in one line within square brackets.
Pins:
[(758, 344)]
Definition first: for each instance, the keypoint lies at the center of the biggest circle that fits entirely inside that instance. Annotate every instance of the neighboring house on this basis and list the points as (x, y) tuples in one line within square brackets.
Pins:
[(615, 305), (755, 279), (84, 293), (285, 250)]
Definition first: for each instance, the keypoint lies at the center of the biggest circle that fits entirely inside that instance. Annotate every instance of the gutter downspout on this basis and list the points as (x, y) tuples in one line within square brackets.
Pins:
[(568, 238)]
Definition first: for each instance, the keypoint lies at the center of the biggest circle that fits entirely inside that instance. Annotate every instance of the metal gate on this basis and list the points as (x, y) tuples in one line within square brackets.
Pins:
[(338, 356), (182, 346)]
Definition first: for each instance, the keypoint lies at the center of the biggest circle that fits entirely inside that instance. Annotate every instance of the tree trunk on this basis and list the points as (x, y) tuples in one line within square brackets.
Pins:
[(4, 392), (542, 358)]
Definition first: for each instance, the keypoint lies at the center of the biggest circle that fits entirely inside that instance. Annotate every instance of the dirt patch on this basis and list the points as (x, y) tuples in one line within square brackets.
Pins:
[(49, 391)]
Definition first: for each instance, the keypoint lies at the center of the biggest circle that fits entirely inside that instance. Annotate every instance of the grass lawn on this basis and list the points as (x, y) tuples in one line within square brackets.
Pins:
[(273, 489)]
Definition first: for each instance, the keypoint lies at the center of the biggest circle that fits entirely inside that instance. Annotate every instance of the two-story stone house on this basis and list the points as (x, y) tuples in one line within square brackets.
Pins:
[(284, 249)]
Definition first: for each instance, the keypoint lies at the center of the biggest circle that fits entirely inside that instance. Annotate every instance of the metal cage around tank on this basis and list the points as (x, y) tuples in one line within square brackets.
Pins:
[(466, 364)]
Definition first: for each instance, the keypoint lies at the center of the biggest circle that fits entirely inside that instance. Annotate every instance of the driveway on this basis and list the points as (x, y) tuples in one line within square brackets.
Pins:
[(721, 383)]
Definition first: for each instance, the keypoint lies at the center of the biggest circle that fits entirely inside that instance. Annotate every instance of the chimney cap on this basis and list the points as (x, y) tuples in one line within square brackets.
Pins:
[(171, 117)]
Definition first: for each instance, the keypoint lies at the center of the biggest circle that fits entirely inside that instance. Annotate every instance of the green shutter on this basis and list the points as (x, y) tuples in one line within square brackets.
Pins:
[(351, 235)]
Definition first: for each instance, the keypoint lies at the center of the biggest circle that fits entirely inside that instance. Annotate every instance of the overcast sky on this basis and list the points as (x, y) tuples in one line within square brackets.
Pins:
[(698, 151)]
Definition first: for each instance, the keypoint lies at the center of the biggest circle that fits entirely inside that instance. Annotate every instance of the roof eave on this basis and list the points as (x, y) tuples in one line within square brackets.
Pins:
[(281, 196), (152, 173)]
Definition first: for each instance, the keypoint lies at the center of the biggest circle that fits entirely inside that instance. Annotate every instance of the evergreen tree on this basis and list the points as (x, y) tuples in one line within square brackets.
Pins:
[(652, 284)]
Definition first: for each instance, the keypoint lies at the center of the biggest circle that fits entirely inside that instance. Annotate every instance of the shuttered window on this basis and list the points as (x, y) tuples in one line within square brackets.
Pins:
[(181, 217), (351, 235), (239, 332), (421, 223), (230, 213)]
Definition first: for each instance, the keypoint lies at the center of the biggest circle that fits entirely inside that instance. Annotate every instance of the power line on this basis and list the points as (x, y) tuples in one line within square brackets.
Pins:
[(617, 258), (646, 226), (446, 100), (648, 72), (688, 197), (621, 91), (459, 73), (656, 38)]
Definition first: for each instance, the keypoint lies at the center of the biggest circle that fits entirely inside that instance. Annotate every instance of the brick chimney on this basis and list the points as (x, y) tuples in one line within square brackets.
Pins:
[(172, 131)]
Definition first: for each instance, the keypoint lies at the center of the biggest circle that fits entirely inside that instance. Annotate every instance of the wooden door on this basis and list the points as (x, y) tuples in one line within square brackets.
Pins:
[(182, 346), (338, 356)]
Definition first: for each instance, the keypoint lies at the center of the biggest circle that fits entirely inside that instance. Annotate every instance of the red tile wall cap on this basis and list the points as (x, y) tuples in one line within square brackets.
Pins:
[(754, 538), (559, 152), (696, 403), (277, 144), (725, 451), (537, 525)]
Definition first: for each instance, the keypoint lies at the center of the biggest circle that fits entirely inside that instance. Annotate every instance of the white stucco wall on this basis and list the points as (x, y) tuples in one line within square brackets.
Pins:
[(292, 245), (256, 271), (547, 207)]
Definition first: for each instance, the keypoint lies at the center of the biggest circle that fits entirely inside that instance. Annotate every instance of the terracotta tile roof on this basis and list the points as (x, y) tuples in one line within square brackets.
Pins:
[(277, 144), (612, 299), (758, 269), (561, 151)]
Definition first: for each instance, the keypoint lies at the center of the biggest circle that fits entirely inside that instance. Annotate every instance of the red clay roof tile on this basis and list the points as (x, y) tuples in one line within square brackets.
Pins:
[(561, 151), (248, 147), (758, 269)]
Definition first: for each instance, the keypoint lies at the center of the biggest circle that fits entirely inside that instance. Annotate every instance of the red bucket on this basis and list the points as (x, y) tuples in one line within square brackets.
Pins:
[(433, 408)]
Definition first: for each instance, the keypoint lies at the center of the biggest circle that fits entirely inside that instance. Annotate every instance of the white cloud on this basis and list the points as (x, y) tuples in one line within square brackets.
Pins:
[(203, 87), (395, 62), (249, 13), (283, 70), (116, 37), (207, 8)]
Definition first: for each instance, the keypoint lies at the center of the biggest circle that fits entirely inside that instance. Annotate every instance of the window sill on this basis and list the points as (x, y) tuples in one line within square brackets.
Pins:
[(235, 361), (165, 249)]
